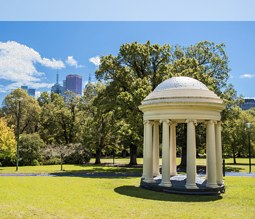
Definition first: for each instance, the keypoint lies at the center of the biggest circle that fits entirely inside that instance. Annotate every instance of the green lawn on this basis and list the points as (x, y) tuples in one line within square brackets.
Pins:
[(241, 166), (116, 197), (78, 197)]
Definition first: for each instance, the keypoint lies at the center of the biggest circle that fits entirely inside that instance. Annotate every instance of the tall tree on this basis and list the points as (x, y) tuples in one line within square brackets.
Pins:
[(130, 76), (139, 68), (7, 143), (235, 133), (98, 128), (58, 118), (208, 63), (18, 105)]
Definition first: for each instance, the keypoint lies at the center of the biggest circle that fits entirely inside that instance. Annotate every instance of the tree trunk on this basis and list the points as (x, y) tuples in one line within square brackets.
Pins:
[(183, 135), (133, 155), (71, 134), (98, 156), (61, 162), (233, 151), (183, 163)]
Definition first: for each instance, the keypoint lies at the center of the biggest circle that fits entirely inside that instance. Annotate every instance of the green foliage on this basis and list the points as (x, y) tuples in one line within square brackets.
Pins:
[(235, 134), (7, 143), (58, 123), (30, 148), (29, 111), (106, 119), (139, 68), (60, 154), (79, 155), (98, 128)]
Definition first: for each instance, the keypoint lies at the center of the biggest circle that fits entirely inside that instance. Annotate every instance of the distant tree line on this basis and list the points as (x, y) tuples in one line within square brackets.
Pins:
[(106, 119)]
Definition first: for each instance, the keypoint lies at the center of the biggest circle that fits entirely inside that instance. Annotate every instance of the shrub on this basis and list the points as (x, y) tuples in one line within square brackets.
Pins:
[(71, 154), (79, 156), (30, 147)]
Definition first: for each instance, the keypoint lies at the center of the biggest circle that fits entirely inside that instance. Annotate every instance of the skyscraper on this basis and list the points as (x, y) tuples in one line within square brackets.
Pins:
[(73, 83), (248, 103), (31, 92), (57, 88), (24, 87)]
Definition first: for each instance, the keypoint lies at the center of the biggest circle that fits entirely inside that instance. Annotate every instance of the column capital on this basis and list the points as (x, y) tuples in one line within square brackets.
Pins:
[(166, 121), (191, 120), (210, 122), (173, 123), (156, 122), (218, 122), (147, 122)]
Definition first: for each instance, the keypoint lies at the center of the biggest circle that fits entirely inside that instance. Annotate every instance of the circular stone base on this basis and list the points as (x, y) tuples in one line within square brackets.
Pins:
[(178, 186)]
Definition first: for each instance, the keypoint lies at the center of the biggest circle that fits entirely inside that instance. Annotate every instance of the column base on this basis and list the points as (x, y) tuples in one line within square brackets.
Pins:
[(191, 186), (156, 174), (212, 185), (173, 173), (149, 180), (220, 183), (166, 184)]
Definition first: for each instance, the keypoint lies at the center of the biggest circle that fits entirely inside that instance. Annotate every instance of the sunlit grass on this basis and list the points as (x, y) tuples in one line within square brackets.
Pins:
[(107, 166), (78, 197)]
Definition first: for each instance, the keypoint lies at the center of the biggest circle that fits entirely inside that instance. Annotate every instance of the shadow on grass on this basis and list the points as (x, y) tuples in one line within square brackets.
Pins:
[(101, 172), (233, 169), (138, 192)]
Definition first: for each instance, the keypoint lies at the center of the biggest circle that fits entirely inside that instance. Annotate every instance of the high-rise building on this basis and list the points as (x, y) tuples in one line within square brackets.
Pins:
[(74, 83), (31, 92), (57, 88), (24, 87), (248, 103)]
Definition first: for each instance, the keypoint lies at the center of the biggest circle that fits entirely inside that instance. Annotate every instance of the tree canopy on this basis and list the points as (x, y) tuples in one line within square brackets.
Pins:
[(106, 119), (139, 68), (7, 142)]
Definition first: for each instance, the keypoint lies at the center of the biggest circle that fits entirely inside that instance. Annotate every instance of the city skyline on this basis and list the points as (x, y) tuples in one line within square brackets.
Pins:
[(36, 51)]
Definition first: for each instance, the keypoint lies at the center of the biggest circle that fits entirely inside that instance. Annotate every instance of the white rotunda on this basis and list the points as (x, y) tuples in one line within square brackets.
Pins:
[(181, 100)]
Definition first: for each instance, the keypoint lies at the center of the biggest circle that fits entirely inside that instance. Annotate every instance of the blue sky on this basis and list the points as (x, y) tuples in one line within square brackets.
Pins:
[(40, 49)]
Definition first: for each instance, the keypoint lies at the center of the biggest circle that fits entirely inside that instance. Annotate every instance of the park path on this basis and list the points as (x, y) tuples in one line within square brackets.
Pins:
[(103, 175)]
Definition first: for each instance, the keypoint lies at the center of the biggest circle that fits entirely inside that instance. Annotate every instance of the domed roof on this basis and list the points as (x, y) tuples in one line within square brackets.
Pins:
[(181, 89), (180, 83)]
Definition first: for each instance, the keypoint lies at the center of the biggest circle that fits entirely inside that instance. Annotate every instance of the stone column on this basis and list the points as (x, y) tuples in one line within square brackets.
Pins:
[(173, 150), (156, 149), (144, 145), (219, 174), (148, 176), (191, 155), (210, 155), (165, 156)]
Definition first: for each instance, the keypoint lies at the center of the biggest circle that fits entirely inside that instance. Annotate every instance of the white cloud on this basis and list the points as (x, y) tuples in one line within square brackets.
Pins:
[(17, 63), (95, 60), (72, 62), (55, 64), (247, 76)]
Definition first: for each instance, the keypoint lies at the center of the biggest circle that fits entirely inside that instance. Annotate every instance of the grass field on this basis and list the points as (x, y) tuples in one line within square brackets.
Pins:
[(241, 166), (78, 197), (115, 197)]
